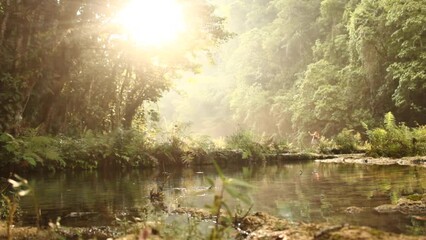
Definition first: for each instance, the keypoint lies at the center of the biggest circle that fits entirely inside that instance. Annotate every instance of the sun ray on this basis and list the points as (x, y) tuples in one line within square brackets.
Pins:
[(152, 23)]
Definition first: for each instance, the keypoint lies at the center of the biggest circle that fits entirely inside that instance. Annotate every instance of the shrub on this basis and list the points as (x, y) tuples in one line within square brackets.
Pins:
[(244, 140), (174, 146), (396, 140), (326, 145), (348, 141), (30, 150), (85, 152), (419, 140)]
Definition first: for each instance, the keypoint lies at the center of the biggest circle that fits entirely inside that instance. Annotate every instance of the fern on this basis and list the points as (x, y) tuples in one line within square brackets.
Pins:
[(396, 139), (245, 141), (364, 125), (348, 141), (390, 121), (41, 150), (32, 158)]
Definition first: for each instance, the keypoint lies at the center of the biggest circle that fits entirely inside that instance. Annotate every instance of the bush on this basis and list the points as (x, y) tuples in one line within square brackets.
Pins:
[(30, 150), (326, 145), (348, 141), (396, 140), (85, 152), (120, 148), (419, 143), (244, 140)]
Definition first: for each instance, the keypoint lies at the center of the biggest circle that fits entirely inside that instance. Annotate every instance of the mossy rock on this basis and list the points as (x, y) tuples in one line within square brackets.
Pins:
[(353, 210), (386, 208), (405, 206), (415, 197)]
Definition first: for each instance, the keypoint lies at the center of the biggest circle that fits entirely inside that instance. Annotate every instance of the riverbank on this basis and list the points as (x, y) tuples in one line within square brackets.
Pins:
[(129, 149), (365, 160), (254, 226)]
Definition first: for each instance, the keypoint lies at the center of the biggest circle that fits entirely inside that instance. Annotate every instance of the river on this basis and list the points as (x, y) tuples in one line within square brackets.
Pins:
[(305, 191)]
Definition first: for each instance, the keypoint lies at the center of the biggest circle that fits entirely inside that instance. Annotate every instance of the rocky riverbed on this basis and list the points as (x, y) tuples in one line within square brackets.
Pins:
[(362, 159), (254, 227)]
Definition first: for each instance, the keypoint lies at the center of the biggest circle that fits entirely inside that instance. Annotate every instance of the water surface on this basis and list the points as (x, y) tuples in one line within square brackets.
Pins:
[(308, 192)]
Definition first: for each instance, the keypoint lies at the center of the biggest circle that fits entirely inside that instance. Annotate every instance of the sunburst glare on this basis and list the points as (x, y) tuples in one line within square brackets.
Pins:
[(152, 23)]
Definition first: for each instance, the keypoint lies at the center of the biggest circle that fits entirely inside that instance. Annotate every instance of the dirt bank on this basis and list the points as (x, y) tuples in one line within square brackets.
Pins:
[(252, 227)]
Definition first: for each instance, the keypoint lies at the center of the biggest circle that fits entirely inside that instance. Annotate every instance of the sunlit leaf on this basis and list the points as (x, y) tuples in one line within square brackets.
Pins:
[(14, 183), (240, 183), (24, 192)]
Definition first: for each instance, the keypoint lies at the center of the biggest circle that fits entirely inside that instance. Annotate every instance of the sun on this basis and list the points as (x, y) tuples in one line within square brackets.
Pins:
[(152, 22)]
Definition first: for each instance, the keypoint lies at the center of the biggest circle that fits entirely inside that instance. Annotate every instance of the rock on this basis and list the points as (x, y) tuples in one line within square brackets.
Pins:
[(408, 206), (386, 208), (362, 159), (420, 218), (353, 210), (291, 157), (80, 214), (405, 206)]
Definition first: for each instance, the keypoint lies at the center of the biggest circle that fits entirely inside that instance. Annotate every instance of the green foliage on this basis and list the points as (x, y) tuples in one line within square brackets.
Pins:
[(396, 140), (244, 141), (238, 190), (323, 65), (326, 145), (43, 150), (294, 67), (406, 21), (122, 148), (30, 150), (348, 141), (419, 134), (84, 153), (10, 202), (174, 146), (10, 97), (320, 103), (127, 147), (68, 76)]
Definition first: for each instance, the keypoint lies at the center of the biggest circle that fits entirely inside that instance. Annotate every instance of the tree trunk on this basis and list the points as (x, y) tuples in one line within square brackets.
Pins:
[(130, 112), (4, 22)]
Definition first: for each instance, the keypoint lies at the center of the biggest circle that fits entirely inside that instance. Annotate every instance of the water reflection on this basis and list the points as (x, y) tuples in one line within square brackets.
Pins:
[(309, 192)]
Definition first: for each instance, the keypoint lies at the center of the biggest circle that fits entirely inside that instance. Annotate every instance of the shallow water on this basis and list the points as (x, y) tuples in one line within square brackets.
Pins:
[(309, 192)]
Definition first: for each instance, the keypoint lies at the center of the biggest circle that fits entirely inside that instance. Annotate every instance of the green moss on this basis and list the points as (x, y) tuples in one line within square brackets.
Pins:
[(415, 197)]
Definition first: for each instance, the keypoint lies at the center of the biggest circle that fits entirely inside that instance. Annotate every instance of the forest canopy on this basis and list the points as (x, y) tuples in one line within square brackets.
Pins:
[(287, 67), (317, 65), (69, 66)]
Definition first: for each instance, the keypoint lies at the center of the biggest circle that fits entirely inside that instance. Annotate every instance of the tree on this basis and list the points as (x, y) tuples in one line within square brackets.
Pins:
[(64, 67), (406, 21), (326, 65)]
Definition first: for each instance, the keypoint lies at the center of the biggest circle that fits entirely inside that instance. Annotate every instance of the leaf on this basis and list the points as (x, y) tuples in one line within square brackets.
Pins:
[(30, 160), (240, 183), (24, 192), (210, 181), (52, 154), (389, 121), (23, 180), (6, 137), (14, 183), (364, 125), (238, 194), (219, 171)]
